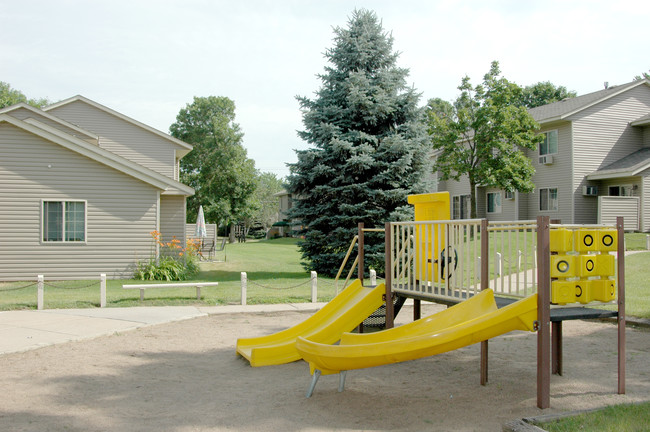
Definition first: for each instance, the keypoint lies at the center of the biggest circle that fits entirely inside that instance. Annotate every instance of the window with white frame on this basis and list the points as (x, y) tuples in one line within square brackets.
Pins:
[(460, 206), (621, 190), (549, 145), (64, 221), (548, 199), (494, 202)]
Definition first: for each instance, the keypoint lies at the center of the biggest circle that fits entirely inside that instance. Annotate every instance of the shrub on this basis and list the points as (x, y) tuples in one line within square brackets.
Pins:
[(174, 262)]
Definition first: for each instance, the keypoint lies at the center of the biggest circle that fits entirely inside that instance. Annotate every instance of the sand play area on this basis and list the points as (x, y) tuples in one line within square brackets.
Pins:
[(185, 376)]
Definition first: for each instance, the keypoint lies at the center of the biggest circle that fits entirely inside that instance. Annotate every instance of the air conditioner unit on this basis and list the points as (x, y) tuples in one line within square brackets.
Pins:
[(546, 160), (590, 190)]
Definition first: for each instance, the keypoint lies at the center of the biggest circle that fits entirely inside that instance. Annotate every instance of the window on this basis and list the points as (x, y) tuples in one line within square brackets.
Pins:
[(494, 202), (461, 207), (623, 190), (64, 221), (508, 194), (548, 199), (549, 145)]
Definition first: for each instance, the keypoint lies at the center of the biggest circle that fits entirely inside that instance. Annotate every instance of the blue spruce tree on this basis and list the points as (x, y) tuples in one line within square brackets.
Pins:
[(370, 147)]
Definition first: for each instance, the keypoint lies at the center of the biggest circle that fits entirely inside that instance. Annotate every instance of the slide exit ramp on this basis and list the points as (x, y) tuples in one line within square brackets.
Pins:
[(345, 312)]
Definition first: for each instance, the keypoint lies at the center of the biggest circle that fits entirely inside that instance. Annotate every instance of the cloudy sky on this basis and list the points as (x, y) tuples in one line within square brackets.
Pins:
[(148, 59)]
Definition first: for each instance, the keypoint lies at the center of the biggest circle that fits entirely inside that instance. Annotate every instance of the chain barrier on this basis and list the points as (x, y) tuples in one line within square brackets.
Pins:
[(51, 285), (18, 288), (252, 282)]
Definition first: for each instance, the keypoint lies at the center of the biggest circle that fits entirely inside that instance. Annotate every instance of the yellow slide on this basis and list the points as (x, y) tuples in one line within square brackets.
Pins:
[(478, 320), (346, 311)]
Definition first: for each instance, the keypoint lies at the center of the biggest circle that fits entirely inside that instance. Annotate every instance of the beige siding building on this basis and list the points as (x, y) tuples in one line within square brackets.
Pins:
[(82, 189), (596, 145)]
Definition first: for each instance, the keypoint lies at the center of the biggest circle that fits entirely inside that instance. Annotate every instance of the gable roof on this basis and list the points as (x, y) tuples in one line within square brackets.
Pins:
[(628, 166), (99, 154), (185, 146), (567, 107), (56, 119)]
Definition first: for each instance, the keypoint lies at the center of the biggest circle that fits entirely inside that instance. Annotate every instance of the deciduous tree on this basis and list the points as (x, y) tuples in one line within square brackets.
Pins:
[(10, 96), (218, 167), (483, 135)]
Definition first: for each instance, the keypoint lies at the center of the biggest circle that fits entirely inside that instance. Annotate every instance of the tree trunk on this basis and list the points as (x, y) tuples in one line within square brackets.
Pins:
[(472, 186)]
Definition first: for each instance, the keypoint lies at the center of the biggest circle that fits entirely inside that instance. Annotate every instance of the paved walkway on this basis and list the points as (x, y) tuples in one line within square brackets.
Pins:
[(31, 329)]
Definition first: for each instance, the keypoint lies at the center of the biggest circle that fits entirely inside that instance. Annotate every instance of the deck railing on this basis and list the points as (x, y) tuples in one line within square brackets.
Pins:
[(444, 260)]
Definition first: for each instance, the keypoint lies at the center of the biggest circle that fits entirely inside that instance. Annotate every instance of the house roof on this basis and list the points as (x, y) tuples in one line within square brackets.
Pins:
[(630, 165), (169, 186), (567, 107), (643, 121), (185, 146), (56, 119)]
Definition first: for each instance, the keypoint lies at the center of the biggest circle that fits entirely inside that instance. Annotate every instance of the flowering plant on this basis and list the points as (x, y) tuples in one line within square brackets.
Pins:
[(172, 263)]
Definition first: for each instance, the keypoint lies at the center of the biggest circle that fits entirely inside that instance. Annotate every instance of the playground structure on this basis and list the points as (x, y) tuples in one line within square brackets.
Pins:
[(454, 261)]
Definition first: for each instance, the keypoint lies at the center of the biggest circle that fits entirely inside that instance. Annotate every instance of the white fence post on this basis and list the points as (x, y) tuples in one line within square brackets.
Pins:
[(520, 255), (102, 290), (499, 263), (314, 287), (647, 242), (39, 301), (244, 283), (373, 277)]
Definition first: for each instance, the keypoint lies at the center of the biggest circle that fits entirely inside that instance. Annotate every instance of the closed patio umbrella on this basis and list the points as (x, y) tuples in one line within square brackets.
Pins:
[(200, 225)]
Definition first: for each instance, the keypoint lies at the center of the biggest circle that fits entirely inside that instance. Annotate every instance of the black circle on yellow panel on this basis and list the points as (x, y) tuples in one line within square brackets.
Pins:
[(588, 240), (578, 291), (562, 266), (590, 265), (608, 240)]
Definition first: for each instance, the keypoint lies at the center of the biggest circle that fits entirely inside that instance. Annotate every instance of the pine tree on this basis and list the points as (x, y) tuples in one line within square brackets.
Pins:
[(370, 146)]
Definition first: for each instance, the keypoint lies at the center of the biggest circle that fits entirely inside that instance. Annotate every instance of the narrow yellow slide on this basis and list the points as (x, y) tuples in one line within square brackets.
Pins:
[(469, 322), (345, 312)]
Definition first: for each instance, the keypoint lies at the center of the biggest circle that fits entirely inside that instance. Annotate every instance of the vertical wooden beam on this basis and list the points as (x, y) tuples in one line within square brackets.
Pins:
[(361, 252), (543, 313), (556, 333), (390, 313), (620, 226), (417, 309), (556, 347), (485, 264)]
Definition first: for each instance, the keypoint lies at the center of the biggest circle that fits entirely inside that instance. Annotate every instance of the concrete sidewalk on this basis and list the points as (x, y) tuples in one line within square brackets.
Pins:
[(26, 330)]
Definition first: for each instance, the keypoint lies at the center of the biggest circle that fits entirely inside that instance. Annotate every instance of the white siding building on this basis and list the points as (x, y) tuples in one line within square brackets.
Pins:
[(82, 189), (596, 145)]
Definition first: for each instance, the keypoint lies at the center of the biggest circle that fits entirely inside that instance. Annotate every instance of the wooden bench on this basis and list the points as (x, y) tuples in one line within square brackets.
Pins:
[(197, 285)]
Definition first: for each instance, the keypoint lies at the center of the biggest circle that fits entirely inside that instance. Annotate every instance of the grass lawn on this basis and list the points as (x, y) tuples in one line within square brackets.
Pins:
[(635, 241), (637, 285), (274, 276), (616, 418)]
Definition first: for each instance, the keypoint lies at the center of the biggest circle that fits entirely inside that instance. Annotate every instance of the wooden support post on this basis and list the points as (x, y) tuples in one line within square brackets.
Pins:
[(102, 290), (620, 226), (543, 313), (40, 294), (361, 252), (244, 285), (556, 332), (556, 347), (485, 284), (417, 309), (390, 312), (314, 287)]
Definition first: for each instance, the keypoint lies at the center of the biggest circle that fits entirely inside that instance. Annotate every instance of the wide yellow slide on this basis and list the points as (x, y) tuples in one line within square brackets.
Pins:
[(469, 322), (345, 312)]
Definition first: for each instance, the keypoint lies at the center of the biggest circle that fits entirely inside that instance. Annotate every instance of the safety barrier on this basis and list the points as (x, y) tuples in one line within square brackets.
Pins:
[(446, 260)]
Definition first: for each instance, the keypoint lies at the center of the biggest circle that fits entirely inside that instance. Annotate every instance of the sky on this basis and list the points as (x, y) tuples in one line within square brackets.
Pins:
[(149, 59)]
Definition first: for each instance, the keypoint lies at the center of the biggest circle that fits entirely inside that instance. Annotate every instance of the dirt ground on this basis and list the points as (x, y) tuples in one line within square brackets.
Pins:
[(185, 376)]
